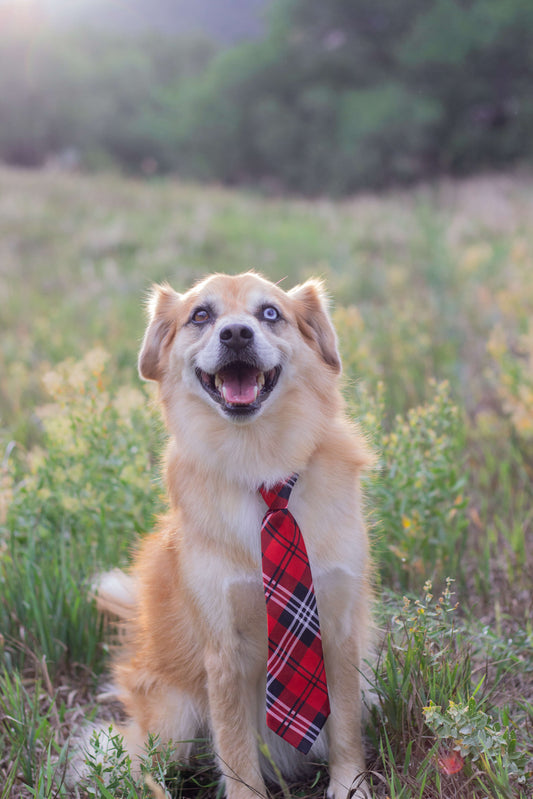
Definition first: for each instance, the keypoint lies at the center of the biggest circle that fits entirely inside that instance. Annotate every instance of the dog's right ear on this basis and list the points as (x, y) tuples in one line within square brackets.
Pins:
[(164, 306)]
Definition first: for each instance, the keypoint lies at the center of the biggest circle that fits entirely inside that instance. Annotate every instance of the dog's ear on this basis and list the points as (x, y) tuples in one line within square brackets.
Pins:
[(163, 306), (314, 323)]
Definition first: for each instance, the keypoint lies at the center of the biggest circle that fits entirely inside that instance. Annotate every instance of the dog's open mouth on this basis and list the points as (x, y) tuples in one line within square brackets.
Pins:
[(239, 387)]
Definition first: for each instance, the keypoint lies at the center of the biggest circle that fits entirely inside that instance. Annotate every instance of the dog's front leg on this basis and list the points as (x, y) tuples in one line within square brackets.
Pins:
[(233, 707), (342, 658), (346, 757)]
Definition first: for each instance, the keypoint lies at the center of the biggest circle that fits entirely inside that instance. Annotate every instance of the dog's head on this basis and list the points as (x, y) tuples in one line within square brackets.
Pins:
[(241, 345)]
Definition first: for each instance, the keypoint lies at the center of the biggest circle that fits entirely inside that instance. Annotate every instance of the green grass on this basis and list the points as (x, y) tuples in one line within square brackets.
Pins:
[(433, 302)]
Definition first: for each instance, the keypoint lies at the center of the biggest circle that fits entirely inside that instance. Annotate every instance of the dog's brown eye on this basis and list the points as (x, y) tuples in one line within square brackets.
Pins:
[(270, 314), (200, 316)]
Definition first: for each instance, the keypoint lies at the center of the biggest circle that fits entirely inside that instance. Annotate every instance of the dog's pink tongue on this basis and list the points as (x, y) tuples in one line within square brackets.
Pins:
[(240, 389)]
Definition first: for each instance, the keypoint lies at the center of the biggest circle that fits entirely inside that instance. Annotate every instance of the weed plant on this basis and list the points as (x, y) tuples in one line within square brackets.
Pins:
[(85, 495), (417, 491), (433, 725)]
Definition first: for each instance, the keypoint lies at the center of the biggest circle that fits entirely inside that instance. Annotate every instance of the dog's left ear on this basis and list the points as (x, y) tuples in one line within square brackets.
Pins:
[(314, 323)]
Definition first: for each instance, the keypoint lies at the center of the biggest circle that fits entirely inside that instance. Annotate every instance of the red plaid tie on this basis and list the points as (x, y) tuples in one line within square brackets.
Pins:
[(297, 694)]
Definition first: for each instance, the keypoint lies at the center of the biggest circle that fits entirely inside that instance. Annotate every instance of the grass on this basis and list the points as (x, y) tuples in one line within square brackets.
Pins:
[(433, 301)]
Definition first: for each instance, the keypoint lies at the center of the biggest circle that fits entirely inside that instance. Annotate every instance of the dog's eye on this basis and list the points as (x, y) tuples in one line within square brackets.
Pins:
[(200, 316), (270, 314)]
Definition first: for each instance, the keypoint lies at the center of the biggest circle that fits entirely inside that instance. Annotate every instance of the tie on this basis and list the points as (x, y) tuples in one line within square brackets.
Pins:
[(297, 694)]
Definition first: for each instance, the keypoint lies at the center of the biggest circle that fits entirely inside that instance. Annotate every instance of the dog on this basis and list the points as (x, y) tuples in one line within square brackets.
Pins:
[(248, 381)]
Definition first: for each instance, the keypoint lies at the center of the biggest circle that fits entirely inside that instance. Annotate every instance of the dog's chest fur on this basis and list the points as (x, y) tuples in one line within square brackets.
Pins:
[(223, 568)]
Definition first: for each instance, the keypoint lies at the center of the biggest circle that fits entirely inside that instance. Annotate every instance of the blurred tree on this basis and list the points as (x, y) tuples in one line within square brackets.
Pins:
[(477, 58), (87, 90), (337, 96), (347, 94), (34, 110)]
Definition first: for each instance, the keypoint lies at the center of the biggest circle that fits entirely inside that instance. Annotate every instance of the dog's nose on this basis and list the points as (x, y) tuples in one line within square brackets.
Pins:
[(236, 337)]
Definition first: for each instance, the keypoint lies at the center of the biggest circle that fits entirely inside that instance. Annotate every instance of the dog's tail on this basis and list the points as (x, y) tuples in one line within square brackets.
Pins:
[(115, 594)]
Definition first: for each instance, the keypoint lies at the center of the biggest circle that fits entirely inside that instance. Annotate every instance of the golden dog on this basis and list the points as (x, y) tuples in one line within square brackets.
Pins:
[(248, 378)]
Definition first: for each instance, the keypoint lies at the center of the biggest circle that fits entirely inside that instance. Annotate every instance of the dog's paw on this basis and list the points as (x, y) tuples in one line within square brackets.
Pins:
[(349, 785), (92, 744)]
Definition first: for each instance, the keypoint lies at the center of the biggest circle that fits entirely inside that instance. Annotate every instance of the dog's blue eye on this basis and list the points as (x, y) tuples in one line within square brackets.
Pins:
[(200, 316), (270, 314)]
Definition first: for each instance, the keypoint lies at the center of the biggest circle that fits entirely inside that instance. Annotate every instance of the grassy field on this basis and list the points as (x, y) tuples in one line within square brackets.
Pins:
[(433, 301)]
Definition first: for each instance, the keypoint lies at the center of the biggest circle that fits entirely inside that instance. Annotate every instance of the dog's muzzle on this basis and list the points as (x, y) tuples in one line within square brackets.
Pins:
[(239, 386)]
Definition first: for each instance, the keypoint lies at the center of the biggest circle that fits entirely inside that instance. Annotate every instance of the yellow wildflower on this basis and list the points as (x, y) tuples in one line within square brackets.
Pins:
[(96, 359), (474, 256), (53, 383)]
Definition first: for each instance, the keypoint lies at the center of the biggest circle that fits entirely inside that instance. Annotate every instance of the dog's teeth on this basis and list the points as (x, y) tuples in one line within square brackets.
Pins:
[(260, 380), (218, 381)]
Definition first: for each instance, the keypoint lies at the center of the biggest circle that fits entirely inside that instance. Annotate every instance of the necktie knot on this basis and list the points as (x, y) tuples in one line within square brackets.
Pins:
[(277, 497)]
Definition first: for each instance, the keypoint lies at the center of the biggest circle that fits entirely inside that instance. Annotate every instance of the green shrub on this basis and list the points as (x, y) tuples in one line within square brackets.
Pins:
[(418, 494), (80, 502), (426, 663), (468, 730)]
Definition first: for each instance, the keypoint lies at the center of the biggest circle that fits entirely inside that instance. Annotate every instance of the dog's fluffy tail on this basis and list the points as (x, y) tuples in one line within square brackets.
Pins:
[(115, 594)]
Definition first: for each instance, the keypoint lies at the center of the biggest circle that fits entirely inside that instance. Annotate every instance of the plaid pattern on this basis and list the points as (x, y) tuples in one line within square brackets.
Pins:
[(297, 694)]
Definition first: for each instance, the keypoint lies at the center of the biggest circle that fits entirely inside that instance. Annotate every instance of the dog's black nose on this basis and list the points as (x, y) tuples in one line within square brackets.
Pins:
[(236, 337)]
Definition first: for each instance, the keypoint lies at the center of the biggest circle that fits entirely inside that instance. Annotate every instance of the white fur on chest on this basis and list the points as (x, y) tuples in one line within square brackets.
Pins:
[(231, 528), (226, 576)]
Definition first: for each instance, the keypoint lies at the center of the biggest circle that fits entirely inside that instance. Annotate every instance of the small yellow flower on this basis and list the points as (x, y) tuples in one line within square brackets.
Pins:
[(134, 473), (474, 256), (6, 494), (127, 400), (70, 504), (518, 252), (44, 494), (497, 343), (77, 377), (53, 383), (36, 459), (397, 276), (76, 472), (96, 359)]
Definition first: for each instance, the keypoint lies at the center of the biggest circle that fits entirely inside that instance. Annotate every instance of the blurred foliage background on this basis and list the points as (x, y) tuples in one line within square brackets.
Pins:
[(325, 97)]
